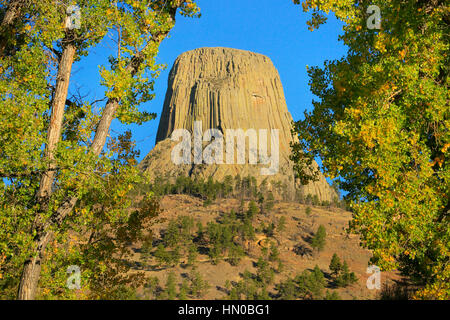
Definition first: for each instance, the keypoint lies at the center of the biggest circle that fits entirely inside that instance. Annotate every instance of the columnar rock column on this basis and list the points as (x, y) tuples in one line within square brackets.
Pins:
[(224, 89)]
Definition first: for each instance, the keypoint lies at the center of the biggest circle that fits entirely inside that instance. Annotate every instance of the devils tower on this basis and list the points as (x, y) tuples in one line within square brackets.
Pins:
[(222, 89)]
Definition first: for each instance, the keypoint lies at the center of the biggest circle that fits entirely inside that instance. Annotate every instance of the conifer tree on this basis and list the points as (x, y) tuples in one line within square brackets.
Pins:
[(171, 289), (318, 241), (335, 265)]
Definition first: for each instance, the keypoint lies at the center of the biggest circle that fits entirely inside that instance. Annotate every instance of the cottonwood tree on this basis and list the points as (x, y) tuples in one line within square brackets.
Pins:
[(381, 125), (62, 173)]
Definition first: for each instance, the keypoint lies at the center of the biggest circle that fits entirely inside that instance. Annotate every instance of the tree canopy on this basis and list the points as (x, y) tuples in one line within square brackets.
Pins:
[(65, 179), (381, 126)]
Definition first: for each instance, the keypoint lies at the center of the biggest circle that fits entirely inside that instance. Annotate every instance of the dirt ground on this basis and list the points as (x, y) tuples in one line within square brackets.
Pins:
[(292, 244)]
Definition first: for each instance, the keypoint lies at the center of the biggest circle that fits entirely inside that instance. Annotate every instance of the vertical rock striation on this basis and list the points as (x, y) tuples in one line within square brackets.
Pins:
[(227, 89)]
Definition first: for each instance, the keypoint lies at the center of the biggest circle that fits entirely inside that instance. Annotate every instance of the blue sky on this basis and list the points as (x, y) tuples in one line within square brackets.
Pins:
[(275, 28)]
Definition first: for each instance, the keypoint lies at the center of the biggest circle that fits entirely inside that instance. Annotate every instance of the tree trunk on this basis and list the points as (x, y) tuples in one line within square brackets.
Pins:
[(12, 13), (56, 121), (32, 267), (32, 271)]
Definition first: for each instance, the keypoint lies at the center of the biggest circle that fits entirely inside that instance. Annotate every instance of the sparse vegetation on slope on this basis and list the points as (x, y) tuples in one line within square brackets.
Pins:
[(228, 244)]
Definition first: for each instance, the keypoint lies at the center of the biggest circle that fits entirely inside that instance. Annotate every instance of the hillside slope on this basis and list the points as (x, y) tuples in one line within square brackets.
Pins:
[(293, 245)]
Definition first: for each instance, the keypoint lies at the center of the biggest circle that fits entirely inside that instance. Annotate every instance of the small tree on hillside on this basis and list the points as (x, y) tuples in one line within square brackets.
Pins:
[(184, 290), (241, 206), (264, 273), (315, 200), (161, 255), (332, 296), (252, 210), (308, 211), (318, 241), (146, 250), (192, 255), (261, 200), (172, 235), (281, 224), (335, 265), (170, 289), (236, 252), (287, 290), (274, 254), (346, 277), (228, 185), (310, 284), (270, 201), (199, 287)]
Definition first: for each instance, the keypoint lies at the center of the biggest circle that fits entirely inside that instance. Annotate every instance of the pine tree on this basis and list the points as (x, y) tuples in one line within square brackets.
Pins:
[(309, 199), (335, 265), (199, 287), (146, 250), (252, 210), (265, 274), (310, 284), (184, 290), (186, 225), (236, 253), (319, 276), (241, 207), (269, 231), (172, 235), (171, 289), (308, 211), (153, 287), (281, 227), (274, 253), (318, 241), (315, 200), (261, 199), (333, 295), (228, 185), (287, 290), (161, 255), (175, 256), (345, 277), (200, 230), (192, 254), (270, 202)]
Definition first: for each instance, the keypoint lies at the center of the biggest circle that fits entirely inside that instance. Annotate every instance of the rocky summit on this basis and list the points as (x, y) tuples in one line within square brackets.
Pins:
[(228, 89)]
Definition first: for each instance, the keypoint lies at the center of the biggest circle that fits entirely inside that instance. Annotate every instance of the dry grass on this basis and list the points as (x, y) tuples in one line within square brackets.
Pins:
[(295, 251)]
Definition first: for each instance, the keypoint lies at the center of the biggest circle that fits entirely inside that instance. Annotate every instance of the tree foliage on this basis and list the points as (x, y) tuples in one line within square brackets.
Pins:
[(381, 126), (64, 179), (308, 285), (318, 241)]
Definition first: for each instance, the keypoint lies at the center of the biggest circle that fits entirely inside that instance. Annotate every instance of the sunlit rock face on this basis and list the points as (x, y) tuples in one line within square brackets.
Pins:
[(228, 89)]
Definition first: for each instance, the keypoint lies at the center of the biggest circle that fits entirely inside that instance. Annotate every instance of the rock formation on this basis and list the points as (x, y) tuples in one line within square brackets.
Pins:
[(227, 89)]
